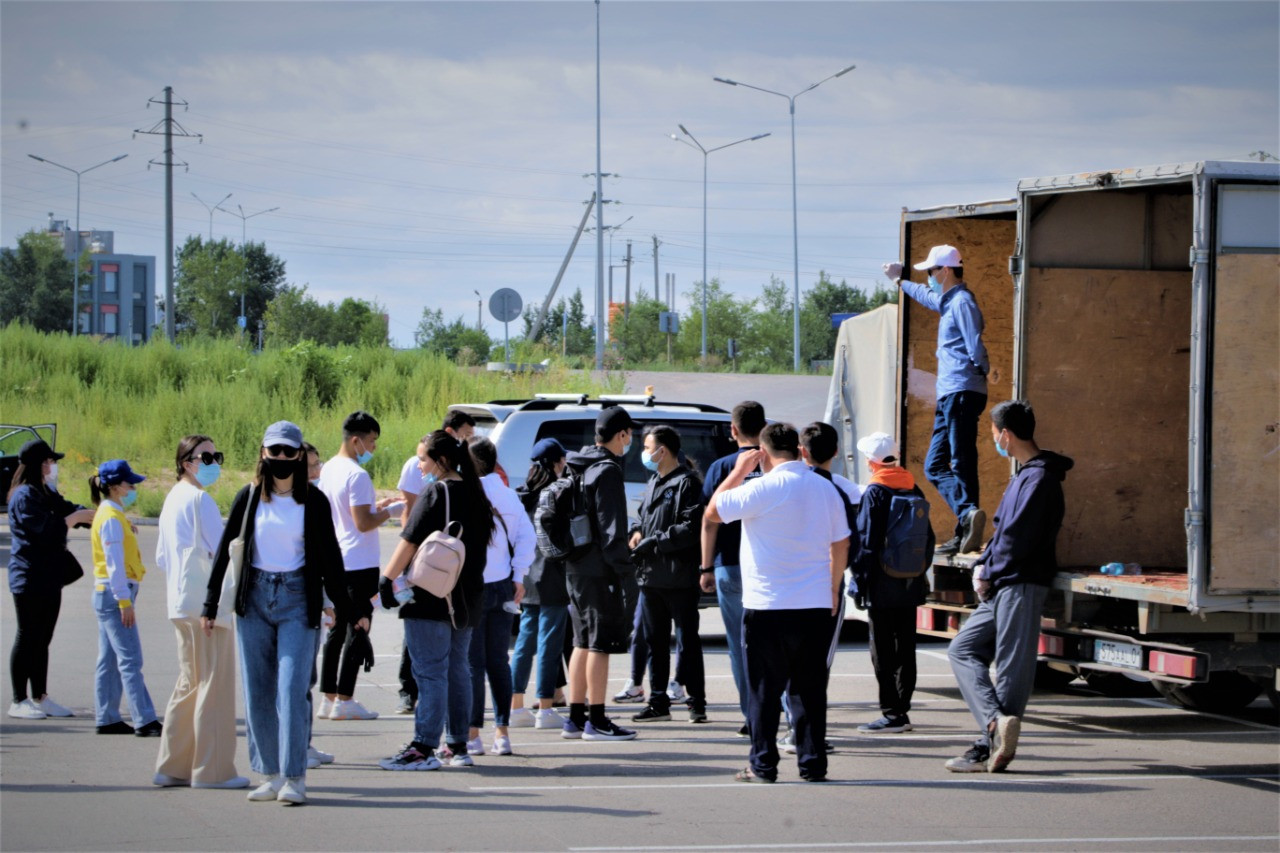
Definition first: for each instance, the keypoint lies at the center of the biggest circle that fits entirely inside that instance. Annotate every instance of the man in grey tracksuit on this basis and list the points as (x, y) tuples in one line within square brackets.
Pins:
[(1011, 579)]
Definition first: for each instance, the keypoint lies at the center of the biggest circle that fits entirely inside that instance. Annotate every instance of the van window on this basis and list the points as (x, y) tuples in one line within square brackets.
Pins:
[(702, 441)]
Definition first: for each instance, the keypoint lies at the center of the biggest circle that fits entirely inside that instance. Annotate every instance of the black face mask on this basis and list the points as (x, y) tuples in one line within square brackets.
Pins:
[(282, 468)]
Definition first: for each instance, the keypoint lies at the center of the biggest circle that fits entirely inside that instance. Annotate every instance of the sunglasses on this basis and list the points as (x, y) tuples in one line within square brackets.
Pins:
[(284, 451), (207, 458)]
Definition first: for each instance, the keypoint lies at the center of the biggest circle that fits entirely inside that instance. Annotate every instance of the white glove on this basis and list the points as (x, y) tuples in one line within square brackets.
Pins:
[(893, 271)]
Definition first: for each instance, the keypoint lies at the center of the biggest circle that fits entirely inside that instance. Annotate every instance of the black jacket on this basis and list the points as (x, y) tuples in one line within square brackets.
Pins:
[(606, 503), (544, 583), (870, 583), (477, 528), (1023, 548), (322, 560), (671, 514)]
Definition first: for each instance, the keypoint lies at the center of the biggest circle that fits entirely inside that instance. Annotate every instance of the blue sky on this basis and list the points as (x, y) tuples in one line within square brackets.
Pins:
[(422, 150)]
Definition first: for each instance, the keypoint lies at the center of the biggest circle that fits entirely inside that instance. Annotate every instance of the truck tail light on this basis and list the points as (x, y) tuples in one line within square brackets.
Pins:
[(1180, 666), (1051, 645)]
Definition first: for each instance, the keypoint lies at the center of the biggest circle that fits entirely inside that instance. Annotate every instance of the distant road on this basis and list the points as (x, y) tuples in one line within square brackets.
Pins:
[(795, 399)]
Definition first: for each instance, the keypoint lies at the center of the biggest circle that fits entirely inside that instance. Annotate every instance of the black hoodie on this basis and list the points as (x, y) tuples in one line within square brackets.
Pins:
[(1027, 523), (606, 504)]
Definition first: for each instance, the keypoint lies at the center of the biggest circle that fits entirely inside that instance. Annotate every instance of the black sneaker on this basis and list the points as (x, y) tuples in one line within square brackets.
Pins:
[(951, 546), (151, 729), (973, 761), (120, 727), (975, 524), (650, 714), (887, 725), (607, 730), (745, 731), (698, 713)]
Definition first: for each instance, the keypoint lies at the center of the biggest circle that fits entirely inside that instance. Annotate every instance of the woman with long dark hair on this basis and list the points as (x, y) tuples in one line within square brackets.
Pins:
[(39, 519), (290, 558), (545, 608), (438, 630)]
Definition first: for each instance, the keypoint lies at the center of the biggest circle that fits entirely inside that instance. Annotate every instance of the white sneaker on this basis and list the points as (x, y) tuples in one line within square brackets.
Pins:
[(325, 708), (548, 718), (350, 709), (630, 693), (521, 718), (164, 780), (675, 691), (475, 746), (320, 756), (501, 746), (463, 760), (26, 710), (293, 792), (233, 782), (53, 709), (267, 790)]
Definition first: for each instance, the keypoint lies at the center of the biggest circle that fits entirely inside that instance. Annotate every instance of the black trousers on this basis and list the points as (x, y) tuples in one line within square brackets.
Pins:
[(659, 608), (786, 651), (339, 667), (408, 684), (37, 612), (893, 656)]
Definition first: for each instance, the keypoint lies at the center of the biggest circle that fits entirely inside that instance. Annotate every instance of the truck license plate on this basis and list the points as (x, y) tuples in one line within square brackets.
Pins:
[(1126, 655)]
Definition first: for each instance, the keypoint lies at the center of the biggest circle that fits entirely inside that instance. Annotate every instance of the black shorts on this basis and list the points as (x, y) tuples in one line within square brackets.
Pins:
[(600, 619)]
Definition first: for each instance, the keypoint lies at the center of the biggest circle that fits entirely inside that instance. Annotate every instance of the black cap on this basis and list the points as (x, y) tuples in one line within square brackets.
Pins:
[(35, 451), (613, 420)]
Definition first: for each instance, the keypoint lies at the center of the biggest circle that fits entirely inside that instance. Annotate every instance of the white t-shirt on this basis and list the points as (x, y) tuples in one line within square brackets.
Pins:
[(187, 507), (790, 517), (278, 527), (503, 560), (851, 490), (347, 485), (411, 479)]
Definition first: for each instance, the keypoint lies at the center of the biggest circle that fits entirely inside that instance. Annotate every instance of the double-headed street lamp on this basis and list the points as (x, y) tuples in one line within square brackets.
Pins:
[(217, 206), (706, 152), (244, 218), (795, 227), (75, 286)]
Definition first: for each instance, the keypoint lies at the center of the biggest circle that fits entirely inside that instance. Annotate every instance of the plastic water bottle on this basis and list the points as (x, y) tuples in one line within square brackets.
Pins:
[(401, 590), (511, 607), (1121, 569)]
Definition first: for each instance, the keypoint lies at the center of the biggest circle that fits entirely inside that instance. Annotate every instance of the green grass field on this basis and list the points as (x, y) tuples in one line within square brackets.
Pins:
[(111, 401)]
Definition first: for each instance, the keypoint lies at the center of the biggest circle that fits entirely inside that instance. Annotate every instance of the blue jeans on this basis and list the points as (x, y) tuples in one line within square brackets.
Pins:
[(277, 666), (951, 464), (1004, 630), (542, 628), (442, 671), (490, 640), (729, 591), (119, 665)]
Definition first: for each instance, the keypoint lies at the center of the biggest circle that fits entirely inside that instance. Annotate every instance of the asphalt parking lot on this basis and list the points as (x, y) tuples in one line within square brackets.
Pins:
[(1092, 772)]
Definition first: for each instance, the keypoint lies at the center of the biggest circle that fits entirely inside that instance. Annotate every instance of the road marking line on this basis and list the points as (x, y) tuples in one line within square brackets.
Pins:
[(972, 842)]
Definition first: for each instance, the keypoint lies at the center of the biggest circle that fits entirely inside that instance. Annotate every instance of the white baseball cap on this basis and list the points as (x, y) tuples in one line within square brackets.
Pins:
[(941, 256), (878, 446)]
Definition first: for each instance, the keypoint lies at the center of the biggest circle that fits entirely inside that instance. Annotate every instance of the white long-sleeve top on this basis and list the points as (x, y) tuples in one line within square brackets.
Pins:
[(188, 510), (112, 535), (501, 560)]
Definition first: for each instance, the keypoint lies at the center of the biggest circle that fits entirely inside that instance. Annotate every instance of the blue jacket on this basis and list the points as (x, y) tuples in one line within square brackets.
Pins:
[(962, 356), (38, 536), (1023, 548), (870, 583)]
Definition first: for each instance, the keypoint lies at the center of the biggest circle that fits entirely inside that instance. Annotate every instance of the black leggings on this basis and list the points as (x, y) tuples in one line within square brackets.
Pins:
[(29, 661)]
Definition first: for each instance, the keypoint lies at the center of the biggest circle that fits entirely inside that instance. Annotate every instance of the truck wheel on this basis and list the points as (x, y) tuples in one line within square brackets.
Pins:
[(1116, 684), (1048, 678), (1224, 693)]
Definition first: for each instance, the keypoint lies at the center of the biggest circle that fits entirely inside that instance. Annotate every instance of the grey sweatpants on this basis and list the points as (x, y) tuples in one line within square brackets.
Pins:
[(1004, 630)]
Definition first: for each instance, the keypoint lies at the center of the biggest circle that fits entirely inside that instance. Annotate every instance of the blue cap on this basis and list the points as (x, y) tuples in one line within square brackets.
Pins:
[(117, 471), (283, 432), (549, 449)]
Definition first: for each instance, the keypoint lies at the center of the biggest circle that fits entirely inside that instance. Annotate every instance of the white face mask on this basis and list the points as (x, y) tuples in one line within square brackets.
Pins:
[(51, 479)]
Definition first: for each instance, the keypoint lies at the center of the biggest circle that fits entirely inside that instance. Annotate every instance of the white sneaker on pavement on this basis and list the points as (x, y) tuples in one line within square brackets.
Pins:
[(53, 709), (351, 709), (675, 691), (233, 782), (26, 710), (475, 746), (548, 718), (293, 792), (319, 755), (501, 746), (267, 790), (521, 718), (630, 693), (325, 708)]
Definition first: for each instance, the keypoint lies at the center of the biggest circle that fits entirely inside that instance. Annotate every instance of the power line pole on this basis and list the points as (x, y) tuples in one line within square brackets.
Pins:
[(166, 127), (626, 299), (656, 244)]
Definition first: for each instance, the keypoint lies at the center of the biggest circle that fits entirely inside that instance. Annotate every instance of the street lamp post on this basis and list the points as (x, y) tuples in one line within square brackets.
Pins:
[(795, 226), (244, 218), (217, 206), (75, 285), (706, 152), (479, 306)]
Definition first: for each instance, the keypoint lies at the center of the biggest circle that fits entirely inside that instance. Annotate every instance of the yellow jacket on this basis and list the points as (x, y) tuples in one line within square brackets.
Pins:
[(105, 578)]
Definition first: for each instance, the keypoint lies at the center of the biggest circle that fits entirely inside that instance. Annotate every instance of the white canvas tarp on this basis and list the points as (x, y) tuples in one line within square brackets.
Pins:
[(861, 397)]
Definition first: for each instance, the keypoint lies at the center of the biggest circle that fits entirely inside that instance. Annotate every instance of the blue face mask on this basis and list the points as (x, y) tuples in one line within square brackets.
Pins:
[(1003, 451), (648, 461), (316, 482), (207, 475), (130, 498), (429, 479), (935, 285), (363, 458)]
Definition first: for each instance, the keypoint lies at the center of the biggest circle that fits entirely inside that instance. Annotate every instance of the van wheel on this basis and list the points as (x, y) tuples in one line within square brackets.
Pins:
[(1049, 678), (1224, 693), (1116, 684)]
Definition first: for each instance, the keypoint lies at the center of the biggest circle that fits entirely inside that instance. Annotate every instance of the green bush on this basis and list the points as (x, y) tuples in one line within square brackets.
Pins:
[(112, 401)]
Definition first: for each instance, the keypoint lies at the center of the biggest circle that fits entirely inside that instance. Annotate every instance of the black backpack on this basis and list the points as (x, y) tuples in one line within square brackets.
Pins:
[(560, 521)]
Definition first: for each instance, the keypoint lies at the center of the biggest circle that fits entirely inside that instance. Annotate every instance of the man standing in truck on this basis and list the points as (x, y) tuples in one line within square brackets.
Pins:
[(951, 464), (1011, 579)]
